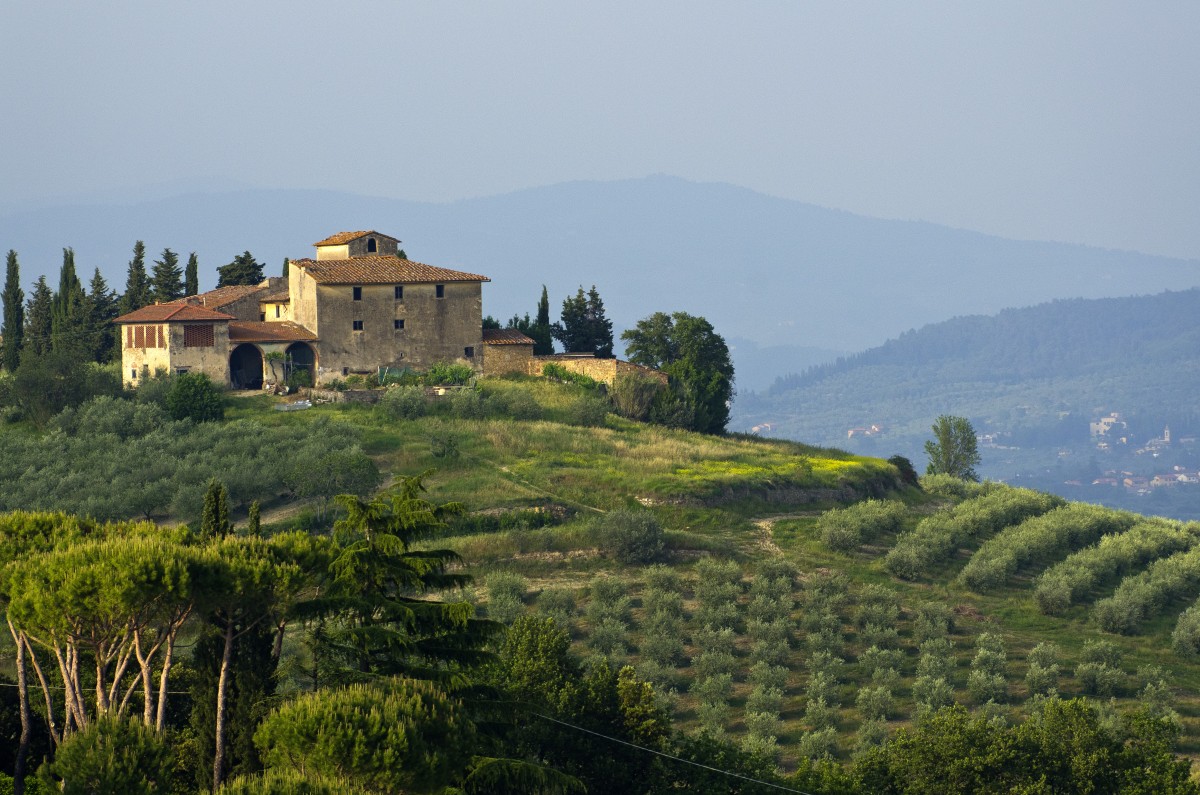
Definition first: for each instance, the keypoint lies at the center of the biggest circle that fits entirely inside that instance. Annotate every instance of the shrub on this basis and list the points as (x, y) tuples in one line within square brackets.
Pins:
[(558, 604), (887, 637), (1114, 555), (985, 687), (1101, 651), (933, 620), (506, 592), (556, 372), (1098, 679), (446, 374), (819, 714), (768, 677), (870, 735), (633, 394), (762, 747), (660, 602), (762, 724), (875, 703), (844, 529), (712, 639), (822, 686), (818, 744), (609, 637), (765, 699), (1141, 596), (712, 715), (770, 653), (516, 404), (664, 578), (825, 640), (403, 403), (938, 537), (778, 631), (932, 693), (467, 404), (662, 648), (1186, 637), (1042, 680), (633, 537), (951, 487), (877, 605), (712, 689), (876, 658), (194, 397), (713, 663)]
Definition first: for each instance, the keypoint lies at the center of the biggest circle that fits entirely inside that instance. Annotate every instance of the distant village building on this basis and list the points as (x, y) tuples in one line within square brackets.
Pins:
[(357, 308)]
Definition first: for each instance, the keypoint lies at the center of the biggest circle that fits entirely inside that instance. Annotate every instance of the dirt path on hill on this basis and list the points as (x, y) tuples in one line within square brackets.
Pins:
[(766, 526)]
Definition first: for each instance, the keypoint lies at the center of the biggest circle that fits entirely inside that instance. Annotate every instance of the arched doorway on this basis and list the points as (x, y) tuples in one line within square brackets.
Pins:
[(301, 364), (246, 367)]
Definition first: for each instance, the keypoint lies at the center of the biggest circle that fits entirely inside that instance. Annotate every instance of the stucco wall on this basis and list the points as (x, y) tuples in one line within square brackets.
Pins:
[(275, 311), (435, 329), (213, 360)]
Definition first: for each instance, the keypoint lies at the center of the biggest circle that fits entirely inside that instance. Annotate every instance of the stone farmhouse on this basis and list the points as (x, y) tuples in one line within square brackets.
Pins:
[(357, 308)]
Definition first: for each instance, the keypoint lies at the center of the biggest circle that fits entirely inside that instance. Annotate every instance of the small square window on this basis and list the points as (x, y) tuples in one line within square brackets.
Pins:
[(469, 352), (441, 291), (357, 293), (398, 324), (262, 317), (399, 292), (358, 325)]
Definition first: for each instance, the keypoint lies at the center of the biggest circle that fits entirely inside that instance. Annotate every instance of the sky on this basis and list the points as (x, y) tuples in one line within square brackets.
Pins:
[(1068, 121)]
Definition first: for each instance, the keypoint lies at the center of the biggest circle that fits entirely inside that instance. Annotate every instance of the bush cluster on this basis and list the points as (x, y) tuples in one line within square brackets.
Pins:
[(938, 537), (1061, 585), (1040, 541), (844, 529), (1139, 597), (633, 537)]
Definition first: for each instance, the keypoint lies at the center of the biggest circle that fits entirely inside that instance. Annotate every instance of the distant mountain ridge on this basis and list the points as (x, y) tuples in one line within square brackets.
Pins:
[(771, 272)]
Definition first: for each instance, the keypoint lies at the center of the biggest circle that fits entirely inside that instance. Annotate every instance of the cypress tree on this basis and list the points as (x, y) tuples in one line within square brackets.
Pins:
[(214, 521), (38, 320), (137, 283), (543, 343), (254, 521), (599, 326), (14, 315), (101, 309), (191, 278), (167, 279), (68, 315), (285, 267)]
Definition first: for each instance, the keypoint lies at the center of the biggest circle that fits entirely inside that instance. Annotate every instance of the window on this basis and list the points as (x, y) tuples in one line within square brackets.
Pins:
[(345, 371), (198, 336), (469, 352), (358, 325), (277, 309), (357, 293), (262, 316), (398, 324), (371, 247), (399, 292), (441, 291), (133, 373), (181, 370)]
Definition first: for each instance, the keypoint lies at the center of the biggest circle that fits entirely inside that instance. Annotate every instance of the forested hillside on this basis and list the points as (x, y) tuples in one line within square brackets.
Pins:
[(1031, 380), (745, 608)]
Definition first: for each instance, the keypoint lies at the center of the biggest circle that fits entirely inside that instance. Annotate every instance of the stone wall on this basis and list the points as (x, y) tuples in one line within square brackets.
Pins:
[(604, 370), (504, 359), (344, 396)]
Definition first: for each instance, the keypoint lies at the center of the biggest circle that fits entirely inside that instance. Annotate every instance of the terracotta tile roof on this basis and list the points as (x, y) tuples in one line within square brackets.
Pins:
[(222, 296), (505, 336), (342, 238), (281, 331), (380, 270), (173, 313), (277, 297)]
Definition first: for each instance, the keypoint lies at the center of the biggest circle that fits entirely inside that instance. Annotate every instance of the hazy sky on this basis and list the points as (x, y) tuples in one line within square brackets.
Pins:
[(1073, 121)]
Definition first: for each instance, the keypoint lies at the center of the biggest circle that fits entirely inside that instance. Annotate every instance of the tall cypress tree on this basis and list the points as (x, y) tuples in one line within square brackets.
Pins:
[(137, 283), (68, 315), (101, 309), (14, 315), (214, 521), (166, 283), (543, 343), (39, 311), (191, 278)]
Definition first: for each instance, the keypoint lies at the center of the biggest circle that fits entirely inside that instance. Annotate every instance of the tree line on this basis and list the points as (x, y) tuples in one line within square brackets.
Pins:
[(75, 321)]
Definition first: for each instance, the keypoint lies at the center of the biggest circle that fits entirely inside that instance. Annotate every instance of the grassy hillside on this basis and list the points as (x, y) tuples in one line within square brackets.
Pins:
[(800, 594), (752, 576)]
